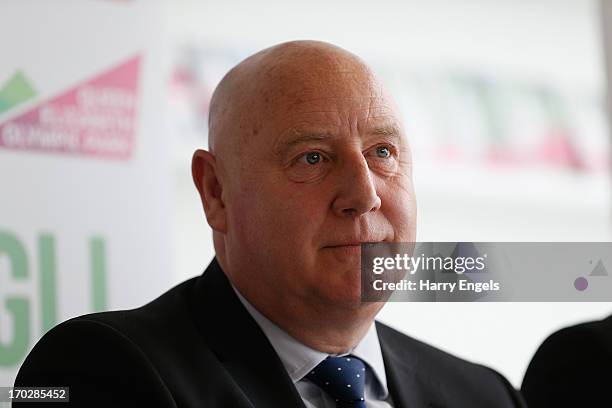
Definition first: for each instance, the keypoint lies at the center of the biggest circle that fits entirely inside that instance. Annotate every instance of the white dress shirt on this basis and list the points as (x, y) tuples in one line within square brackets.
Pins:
[(300, 359)]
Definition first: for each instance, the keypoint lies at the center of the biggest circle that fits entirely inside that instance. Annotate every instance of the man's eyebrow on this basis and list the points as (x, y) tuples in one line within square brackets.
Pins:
[(300, 138), (385, 130)]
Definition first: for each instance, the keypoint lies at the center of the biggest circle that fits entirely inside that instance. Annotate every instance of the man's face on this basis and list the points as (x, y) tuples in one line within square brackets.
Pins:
[(328, 168)]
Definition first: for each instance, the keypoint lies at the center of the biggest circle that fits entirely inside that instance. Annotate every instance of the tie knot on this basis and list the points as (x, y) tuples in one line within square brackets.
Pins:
[(343, 378)]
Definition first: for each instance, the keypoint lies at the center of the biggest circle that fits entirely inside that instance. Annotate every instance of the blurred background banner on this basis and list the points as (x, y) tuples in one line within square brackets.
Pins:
[(84, 184)]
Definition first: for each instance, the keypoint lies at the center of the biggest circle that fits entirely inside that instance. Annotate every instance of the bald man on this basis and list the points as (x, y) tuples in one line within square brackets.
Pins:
[(307, 160)]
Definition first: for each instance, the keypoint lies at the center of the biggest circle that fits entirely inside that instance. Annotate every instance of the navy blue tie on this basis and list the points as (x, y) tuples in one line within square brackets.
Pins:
[(342, 378)]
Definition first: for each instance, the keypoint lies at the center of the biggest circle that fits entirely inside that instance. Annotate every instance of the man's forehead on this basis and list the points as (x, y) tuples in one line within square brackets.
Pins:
[(350, 99), (331, 116), (307, 89), (332, 112), (325, 109)]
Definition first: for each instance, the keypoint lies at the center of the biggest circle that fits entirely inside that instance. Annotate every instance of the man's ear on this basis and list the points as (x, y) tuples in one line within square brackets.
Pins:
[(206, 179)]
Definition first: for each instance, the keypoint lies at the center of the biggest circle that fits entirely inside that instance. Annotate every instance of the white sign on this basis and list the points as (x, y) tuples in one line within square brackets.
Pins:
[(84, 177)]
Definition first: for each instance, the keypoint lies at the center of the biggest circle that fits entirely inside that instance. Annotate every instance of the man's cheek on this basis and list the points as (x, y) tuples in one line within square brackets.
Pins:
[(251, 222), (400, 213)]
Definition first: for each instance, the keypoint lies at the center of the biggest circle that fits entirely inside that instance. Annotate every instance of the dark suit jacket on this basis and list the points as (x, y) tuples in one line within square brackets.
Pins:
[(572, 368), (197, 346)]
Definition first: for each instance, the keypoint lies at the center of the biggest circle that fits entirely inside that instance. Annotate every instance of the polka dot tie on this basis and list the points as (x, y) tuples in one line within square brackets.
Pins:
[(343, 378)]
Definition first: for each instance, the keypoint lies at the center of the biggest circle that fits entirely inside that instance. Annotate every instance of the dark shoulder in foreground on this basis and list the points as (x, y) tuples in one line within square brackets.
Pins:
[(572, 368), (126, 358), (440, 378)]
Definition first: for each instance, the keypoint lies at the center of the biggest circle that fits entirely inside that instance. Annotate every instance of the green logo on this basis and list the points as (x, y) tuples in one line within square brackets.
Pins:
[(18, 307)]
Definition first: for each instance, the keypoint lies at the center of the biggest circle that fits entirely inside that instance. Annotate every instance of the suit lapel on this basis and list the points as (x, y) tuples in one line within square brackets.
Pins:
[(407, 387), (239, 343)]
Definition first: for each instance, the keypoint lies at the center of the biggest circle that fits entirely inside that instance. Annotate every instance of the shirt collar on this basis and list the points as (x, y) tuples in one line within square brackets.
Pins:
[(300, 359)]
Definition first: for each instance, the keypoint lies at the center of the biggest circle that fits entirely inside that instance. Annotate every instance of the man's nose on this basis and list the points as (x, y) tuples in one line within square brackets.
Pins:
[(357, 192)]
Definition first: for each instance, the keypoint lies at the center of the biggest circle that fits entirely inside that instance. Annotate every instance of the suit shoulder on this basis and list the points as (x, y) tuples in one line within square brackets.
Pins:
[(461, 380), (573, 358), (424, 352), (98, 364), (69, 342), (118, 348), (588, 344), (593, 333), (154, 315), (144, 331)]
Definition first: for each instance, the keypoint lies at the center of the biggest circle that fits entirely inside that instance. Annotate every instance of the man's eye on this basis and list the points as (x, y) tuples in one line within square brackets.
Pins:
[(383, 152), (312, 157)]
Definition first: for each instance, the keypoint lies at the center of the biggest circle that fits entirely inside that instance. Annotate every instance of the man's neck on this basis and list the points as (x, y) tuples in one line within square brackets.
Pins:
[(331, 330)]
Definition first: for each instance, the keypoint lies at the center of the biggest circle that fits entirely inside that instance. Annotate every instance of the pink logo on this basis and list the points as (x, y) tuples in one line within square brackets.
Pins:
[(95, 118)]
